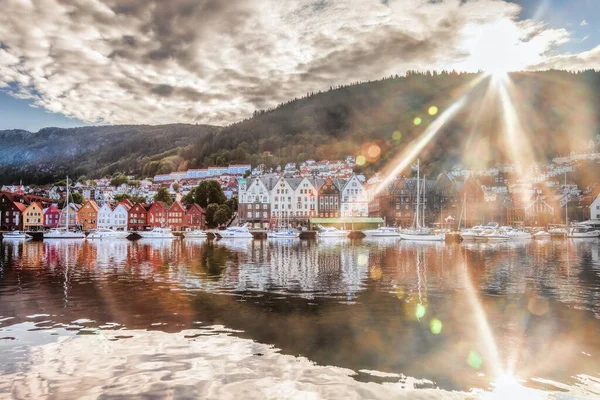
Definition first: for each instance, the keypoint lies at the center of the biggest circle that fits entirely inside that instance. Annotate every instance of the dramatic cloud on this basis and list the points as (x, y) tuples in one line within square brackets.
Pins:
[(213, 61)]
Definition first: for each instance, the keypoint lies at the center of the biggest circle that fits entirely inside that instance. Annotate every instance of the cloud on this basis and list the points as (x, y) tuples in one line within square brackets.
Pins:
[(587, 60), (583, 23), (212, 61)]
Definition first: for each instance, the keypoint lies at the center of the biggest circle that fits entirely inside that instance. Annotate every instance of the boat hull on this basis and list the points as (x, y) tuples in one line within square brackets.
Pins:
[(424, 238)]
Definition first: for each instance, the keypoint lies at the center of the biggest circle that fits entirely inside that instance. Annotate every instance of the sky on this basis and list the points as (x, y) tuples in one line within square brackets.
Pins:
[(75, 62)]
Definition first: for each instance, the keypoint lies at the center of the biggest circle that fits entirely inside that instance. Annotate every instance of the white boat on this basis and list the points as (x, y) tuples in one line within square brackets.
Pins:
[(105, 233), (157, 233), (384, 231), (492, 235), (196, 234), (583, 232), (284, 234), (542, 235), (422, 235), (558, 232), (16, 235), (331, 232), (64, 233), (469, 234), (235, 232), (515, 234)]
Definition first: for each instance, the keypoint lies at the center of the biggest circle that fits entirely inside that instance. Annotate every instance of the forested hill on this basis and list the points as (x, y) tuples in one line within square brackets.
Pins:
[(51, 153), (556, 111)]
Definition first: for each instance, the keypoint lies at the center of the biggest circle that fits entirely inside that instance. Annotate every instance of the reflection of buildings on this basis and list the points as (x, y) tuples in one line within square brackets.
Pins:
[(300, 266)]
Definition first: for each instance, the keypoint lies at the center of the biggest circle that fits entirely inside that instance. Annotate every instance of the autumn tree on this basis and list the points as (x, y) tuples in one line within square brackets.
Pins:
[(164, 196)]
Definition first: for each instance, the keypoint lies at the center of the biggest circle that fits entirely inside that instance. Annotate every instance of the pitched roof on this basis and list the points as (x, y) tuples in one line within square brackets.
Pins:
[(20, 206)]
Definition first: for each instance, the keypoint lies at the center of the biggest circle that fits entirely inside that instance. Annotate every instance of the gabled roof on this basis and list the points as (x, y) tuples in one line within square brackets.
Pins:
[(20, 206), (126, 204), (195, 206), (269, 181), (293, 182), (93, 204), (177, 204)]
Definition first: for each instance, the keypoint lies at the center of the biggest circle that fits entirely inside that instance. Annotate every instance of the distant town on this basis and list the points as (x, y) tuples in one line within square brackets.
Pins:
[(321, 191)]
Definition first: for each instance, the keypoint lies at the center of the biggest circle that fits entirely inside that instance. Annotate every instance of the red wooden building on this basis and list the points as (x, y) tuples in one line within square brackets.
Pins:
[(195, 217), (176, 216), (137, 217), (157, 214), (11, 213), (51, 217)]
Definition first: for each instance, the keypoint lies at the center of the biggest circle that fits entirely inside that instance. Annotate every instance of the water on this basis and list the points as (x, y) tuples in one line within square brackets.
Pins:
[(299, 319)]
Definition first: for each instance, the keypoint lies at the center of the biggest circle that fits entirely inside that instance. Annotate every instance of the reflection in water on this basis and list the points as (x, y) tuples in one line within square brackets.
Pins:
[(510, 318)]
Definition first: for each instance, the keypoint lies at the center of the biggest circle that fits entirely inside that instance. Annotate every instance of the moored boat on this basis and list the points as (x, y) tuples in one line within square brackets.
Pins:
[(157, 233), (283, 234), (583, 232), (331, 232), (195, 234), (235, 232), (105, 233), (384, 231), (16, 235)]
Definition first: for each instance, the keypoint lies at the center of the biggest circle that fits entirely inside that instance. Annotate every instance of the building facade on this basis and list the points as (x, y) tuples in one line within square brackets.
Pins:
[(176, 216), (137, 217), (88, 215), (33, 217)]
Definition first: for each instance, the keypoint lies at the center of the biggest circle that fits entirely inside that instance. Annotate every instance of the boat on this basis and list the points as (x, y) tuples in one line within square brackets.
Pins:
[(419, 232), (558, 233), (492, 235), (515, 234), (469, 234), (196, 234), (384, 231), (583, 232), (105, 233), (283, 234), (331, 232), (16, 235), (235, 232), (157, 233), (64, 233), (542, 235)]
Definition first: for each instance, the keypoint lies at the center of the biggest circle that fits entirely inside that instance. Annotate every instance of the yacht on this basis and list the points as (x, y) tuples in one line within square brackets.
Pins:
[(515, 234), (542, 235), (583, 232), (105, 233), (558, 233), (235, 232), (283, 234), (64, 233), (16, 235), (331, 232), (469, 234), (196, 234), (157, 233), (492, 235), (384, 231)]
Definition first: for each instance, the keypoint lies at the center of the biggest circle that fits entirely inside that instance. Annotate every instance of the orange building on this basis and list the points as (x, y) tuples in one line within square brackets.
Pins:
[(33, 217), (88, 215)]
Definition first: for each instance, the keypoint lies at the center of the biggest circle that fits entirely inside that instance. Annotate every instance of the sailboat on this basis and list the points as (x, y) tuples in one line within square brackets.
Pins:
[(283, 232), (64, 233), (419, 232)]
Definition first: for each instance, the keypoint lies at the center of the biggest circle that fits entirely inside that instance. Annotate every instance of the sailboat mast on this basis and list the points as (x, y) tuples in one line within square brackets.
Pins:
[(67, 224), (417, 225), (566, 203)]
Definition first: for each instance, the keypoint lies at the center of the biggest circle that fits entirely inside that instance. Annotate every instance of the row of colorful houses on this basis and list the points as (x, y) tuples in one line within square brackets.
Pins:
[(17, 215)]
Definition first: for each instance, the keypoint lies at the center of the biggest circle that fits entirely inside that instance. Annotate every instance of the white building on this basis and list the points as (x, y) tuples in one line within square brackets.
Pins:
[(105, 216), (119, 216), (282, 195), (306, 202), (355, 201), (595, 209)]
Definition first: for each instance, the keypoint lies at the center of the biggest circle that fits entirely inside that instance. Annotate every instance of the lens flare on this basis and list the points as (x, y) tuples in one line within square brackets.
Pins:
[(432, 110), (397, 135), (435, 325), (417, 121), (361, 160)]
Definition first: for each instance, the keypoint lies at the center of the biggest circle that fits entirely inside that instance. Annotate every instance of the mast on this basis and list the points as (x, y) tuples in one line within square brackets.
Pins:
[(566, 203), (417, 225), (67, 223)]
